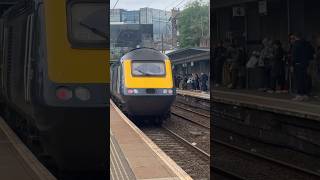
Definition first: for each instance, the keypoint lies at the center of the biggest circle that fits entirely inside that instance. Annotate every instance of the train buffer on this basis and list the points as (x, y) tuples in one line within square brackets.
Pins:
[(16, 160), (134, 156)]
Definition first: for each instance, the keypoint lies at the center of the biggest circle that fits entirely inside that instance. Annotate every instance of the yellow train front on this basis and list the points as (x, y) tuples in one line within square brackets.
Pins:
[(142, 83)]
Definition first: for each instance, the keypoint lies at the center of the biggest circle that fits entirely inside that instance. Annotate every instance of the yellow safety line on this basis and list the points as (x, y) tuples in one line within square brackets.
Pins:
[(114, 168), (118, 157), (194, 94)]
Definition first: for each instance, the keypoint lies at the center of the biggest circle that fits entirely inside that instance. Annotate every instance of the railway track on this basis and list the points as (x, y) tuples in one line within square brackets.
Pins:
[(265, 161), (282, 155), (190, 125), (191, 115), (203, 108), (192, 110), (220, 173), (190, 158)]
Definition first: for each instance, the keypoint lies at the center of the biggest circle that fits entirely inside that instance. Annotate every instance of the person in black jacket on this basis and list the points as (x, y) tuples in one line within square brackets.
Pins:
[(203, 81), (302, 53), (219, 57), (196, 82), (277, 67), (233, 57)]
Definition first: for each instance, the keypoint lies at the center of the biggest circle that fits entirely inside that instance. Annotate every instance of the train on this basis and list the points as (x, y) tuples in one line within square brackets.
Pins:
[(55, 79), (142, 84)]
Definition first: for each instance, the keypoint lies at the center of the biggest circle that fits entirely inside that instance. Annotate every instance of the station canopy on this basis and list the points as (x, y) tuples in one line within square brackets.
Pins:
[(225, 3), (189, 54)]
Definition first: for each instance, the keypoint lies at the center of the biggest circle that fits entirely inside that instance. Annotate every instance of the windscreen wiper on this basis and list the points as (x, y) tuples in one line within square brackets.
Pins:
[(94, 30), (143, 73)]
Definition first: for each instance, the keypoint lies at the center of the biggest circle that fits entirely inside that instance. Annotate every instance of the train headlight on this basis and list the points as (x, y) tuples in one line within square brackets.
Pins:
[(82, 93), (170, 91), (135, 91), (165, 91), (130, 91), (63, 93)]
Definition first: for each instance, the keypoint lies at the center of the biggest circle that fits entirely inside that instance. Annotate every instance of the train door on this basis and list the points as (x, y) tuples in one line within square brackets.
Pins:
[(1, 56), (18, 28), (28, 57)]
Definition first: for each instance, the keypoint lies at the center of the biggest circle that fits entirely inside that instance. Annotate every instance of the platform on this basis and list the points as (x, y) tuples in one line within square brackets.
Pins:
[(197, 94), (276, 103), (134, 155), (16, 161)]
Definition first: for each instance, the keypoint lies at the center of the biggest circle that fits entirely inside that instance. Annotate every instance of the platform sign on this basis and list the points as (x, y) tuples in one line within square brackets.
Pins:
[(263, 8), (238, 11)]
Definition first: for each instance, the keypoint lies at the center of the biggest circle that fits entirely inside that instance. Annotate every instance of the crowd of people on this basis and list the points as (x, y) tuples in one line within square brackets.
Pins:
[(192, 81), (280, 70)]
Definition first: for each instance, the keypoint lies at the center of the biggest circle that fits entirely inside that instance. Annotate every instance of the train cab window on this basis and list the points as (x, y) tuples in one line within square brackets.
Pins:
[(140, 68), (87, 26)]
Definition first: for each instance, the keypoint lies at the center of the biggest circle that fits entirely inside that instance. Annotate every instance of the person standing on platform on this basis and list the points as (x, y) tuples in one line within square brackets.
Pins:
[(219, 57), (302, 53), (288, 66), (242, 68), (317, 64), (196, 82), (183, 83), (203, 80), (190, 83), (233, 55), (277, 68), (266, 56), (175, 78), (226, 73)]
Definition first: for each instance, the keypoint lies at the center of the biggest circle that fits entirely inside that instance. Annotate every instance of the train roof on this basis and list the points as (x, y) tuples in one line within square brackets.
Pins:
[(144, 54)]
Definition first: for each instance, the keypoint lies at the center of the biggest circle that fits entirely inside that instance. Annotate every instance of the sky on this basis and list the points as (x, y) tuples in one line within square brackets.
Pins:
[(157, 4)]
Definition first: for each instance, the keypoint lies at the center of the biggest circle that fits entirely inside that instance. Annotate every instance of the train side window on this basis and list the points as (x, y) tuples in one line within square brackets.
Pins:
[(114, 79), (111, 77), (118, 78)]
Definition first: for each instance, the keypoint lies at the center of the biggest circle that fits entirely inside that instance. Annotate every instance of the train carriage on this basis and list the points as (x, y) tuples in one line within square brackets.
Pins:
[(54, 74)]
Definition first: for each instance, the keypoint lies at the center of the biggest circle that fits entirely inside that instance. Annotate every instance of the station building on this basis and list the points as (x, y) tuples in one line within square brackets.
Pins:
[(158, 18), (250, 21)]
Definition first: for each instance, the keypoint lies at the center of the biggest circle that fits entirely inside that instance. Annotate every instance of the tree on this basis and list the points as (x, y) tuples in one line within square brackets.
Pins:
[(193, 23)]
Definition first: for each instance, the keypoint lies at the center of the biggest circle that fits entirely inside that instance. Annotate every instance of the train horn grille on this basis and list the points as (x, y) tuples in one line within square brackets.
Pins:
[(150, 91)]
